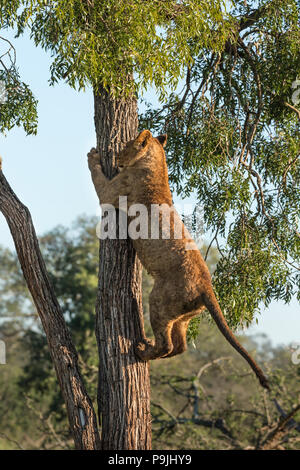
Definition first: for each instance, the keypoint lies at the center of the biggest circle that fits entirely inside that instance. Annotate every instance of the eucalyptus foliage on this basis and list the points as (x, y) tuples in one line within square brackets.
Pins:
[(18, 106)]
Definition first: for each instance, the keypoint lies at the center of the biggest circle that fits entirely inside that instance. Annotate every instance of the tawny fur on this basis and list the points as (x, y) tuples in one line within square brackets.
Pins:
[(182, 287)]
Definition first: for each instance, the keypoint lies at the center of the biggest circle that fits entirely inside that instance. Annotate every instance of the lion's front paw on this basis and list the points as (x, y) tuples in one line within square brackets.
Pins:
[(93, 158), (144, 349)]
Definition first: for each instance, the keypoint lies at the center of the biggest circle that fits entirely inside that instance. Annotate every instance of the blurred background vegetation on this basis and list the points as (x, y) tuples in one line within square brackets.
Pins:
[(206, 398)]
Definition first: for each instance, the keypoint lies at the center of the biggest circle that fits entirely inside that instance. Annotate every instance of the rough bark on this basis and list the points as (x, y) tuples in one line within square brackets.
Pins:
[(82, 418), (124, 389)]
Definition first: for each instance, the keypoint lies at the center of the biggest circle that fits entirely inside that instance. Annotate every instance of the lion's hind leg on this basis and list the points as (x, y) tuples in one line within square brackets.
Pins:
[(161, 318), (162, 344), (178, 334)]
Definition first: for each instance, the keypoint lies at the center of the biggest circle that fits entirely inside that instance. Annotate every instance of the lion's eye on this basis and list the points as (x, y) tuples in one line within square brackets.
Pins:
[(144, 143)]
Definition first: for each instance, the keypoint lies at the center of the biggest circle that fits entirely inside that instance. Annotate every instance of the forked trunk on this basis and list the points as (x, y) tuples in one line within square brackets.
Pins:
[(124, 389)]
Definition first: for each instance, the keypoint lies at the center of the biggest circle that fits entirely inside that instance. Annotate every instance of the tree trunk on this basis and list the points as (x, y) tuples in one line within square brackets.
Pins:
[(124, 388), (82, 418)]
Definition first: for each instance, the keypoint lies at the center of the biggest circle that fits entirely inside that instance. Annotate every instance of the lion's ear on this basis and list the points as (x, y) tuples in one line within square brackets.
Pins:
[(143, 138), (162, 139)]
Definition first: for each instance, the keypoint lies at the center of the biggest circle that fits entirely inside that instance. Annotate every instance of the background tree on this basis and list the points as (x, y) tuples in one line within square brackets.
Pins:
[(231, 121)]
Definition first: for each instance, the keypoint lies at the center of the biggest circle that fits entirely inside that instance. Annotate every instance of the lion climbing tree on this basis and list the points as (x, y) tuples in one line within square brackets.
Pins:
[(234, 138)]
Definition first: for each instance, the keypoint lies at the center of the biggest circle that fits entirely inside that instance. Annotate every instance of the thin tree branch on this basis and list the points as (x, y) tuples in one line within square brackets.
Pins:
[(296, 110), (13, 441), (273, 439), (212, 363)]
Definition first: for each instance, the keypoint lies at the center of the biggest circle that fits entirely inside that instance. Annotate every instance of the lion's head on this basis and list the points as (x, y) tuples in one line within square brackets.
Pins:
[(138, 148)]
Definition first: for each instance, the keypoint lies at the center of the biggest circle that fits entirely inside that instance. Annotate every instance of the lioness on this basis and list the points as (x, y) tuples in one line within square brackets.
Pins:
[(183, 286)]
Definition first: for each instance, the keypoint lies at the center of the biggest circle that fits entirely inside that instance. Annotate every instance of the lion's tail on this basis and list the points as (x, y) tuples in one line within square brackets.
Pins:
[(214, 309)]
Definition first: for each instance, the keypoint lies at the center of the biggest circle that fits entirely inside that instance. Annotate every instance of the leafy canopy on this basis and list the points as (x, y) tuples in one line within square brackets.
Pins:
[(108, 41)]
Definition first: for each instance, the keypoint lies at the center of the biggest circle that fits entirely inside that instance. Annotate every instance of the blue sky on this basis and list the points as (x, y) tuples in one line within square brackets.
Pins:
[(49, 171)]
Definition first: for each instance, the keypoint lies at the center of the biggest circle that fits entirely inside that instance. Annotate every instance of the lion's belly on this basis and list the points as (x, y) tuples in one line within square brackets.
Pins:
[(166, 246), (162, 257)]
